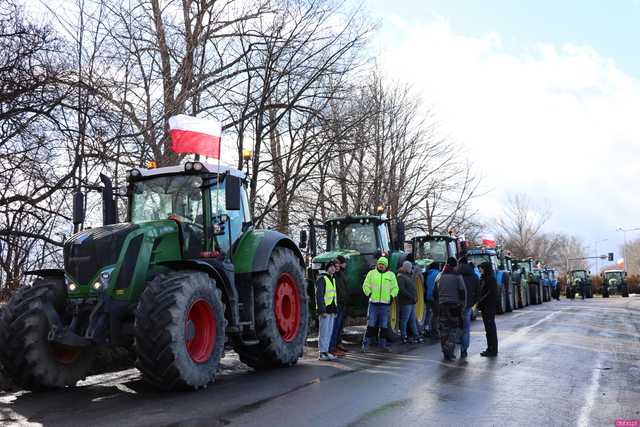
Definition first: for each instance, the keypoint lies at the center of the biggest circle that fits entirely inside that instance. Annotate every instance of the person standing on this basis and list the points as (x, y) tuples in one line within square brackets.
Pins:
[(342, 288), (452, 296), (327, 307), (471, 284), (380, 286), (487, 304), (407, 297), (431, 301)]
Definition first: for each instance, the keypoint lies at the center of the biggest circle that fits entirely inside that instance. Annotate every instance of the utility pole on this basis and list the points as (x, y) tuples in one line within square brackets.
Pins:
[(596, 246), (624, 248)]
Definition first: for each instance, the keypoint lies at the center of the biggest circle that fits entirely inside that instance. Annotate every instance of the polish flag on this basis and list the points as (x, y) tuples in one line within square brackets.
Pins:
[(620, 263), (489, 241), (195, 135)]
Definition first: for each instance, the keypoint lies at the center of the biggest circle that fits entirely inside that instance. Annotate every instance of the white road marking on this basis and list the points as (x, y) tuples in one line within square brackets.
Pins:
[(590, 397)]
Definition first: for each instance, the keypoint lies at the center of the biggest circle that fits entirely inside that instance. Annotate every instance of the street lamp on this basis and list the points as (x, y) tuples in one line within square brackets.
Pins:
[(624, 248)]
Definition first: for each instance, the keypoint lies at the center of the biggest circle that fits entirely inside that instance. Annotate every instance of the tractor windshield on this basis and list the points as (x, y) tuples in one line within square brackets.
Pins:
[(579, 274), (613, 275), (355, 236), (434, 249), (164, 196), (478, 259)]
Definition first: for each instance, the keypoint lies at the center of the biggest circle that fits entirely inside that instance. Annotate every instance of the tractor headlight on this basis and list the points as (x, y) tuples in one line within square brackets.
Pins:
[(316, 266), (97, 286), (72, 287)]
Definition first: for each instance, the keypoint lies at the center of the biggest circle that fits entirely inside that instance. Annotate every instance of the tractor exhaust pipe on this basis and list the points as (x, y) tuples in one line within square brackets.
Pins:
[(108, 202)]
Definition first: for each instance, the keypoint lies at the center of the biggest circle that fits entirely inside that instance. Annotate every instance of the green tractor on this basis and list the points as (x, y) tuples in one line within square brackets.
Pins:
[(430, 253), (521, 275), (613, 282), (362, 239), (579, 282), (186, 273)]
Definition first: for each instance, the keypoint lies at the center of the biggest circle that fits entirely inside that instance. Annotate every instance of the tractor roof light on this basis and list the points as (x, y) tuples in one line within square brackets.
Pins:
[(188, 167), (198, 167), (247, 155), (97, 286), (151, 164), (72, 287), (380, 209), (134, 173)]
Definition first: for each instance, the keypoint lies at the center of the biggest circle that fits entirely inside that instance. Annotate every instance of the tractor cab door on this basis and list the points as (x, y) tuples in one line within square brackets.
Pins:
[(384, 239), (231, 211)]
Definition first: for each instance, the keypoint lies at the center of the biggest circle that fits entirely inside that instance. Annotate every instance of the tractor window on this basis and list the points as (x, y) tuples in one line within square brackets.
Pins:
[(384, 237), (453, 249), (478, 259), (580, 274), (356, 236), (236, 218), (435, 250), (162, 197)]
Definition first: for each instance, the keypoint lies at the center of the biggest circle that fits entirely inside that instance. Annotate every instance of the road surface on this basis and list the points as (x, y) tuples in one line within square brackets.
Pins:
[(562, 363)]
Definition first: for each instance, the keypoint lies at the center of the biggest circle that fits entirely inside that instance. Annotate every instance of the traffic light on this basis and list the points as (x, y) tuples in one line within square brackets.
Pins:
[(610, 256)]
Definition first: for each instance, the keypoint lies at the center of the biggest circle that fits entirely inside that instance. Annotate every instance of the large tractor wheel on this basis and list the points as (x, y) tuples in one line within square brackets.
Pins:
[(179, 330), (511, 305), (501, 306), (281, 313), (28, 357)]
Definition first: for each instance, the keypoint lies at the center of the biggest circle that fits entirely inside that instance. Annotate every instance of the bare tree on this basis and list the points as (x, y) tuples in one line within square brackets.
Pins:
[(521, 222)]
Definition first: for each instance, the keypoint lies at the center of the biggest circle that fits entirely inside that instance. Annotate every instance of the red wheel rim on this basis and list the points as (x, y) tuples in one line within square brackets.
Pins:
[(63, 353), (200, 331), (287, 307)]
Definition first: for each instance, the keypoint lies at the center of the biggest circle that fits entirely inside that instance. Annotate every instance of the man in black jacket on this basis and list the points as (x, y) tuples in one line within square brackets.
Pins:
[(487, 304), (471, 283), (342, 288), (407, 298)]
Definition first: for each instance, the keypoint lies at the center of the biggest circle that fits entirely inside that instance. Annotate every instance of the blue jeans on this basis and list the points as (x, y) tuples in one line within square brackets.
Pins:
[(325, 329), (378, 315), (466, 329), (408, 316), (337, 330)]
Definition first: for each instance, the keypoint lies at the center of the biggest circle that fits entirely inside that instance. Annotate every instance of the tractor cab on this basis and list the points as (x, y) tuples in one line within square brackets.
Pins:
[(433, 248)]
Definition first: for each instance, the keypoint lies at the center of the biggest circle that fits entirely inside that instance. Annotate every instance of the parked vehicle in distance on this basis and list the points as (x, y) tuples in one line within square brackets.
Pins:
[(613, 282)]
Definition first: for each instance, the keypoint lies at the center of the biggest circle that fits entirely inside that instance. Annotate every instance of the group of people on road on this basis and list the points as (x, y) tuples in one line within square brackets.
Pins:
[(449, 304)]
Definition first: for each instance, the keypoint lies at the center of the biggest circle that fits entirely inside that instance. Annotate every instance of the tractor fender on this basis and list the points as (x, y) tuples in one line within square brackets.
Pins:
[(213, 268), (47, 272), (254, 249)]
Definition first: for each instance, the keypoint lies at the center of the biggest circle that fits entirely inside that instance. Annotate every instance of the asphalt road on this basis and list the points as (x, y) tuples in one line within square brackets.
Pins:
[(562, 363)]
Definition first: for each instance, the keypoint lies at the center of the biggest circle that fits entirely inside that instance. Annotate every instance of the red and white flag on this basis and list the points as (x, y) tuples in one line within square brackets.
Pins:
[(620, 263), (489, 241), (195, 135)]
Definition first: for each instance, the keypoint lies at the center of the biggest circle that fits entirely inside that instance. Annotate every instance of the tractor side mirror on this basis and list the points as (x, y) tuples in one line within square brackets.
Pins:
[(303, 239), (232, 193), (78, 208)]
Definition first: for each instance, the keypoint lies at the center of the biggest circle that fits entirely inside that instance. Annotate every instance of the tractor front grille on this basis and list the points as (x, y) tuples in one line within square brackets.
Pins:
[(89, 251)]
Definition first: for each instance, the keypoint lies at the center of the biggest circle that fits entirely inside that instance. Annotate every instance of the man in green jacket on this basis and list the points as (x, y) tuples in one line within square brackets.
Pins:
[(380, 286)]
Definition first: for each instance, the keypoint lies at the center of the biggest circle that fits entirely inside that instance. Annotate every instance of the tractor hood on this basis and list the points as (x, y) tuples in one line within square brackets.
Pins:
[(331, 255), (110, 254)]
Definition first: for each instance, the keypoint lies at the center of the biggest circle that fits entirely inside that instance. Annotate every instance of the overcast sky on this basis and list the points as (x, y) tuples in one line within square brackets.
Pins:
[(545, 99)]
